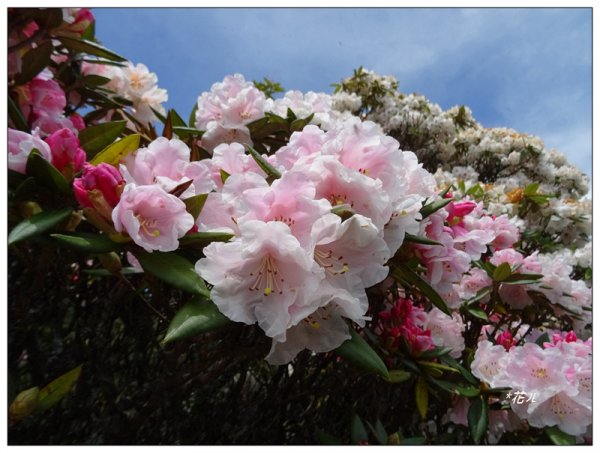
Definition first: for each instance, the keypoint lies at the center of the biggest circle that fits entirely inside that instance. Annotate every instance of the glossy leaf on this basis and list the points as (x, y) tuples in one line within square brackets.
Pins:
[(192, 118), (403, 272), (434, 206), (194, 204), (203, 238), (478, 418), (502, 272), (34, 61), (357, 351), (422, 397), (37, 224), (196, 317), (94, 80), (90, 48), (358, 432), (106, 273), (57, 389), (559, 437), (478, 313), (397, 376), (87, 242), (45, 173), (262, 163), (420, 240), (16, 116), (117, 151), (174, 270), (184, 131), (522, 279), (95, 138)]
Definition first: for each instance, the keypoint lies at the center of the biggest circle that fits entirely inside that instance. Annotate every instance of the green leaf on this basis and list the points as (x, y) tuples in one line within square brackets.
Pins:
[(435, 352), (204, 238), (34, 61), (262, 163), (558, 437), (87, 242), (482, 293), (192, 118), (422, 397), (420, 240), (451, 361), (107, 273), (224, 175), (434, 206), (45, 173), (403, 272), (173, 269), (184, 131), (357, 351), (196, 317), (327, 439), (397, 376), (57, 389), (300, 123), (90, 48), (15, 114), (379, 431), (117, 151), (37, 224), (502, 272), (176, 120), (478, 418), (194, 204), (478, 313), (358, 432), (413, 441), (522, 279), (94, 80), (544, 338), (531, 189), (94, 138)]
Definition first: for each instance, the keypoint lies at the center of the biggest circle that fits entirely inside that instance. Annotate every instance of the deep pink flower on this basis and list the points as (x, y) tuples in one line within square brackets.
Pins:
[(103, 181), (66, 152), (47, 97), (506, 339), (459, 209)]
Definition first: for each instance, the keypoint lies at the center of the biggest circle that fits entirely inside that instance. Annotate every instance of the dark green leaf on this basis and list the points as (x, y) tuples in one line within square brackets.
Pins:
[(90, 48), (37, 224), (478, 418), (26, 189), (162, 118), (94, 80), (481, 294), (422, 397), (173, 269), (420, 240), (16, 116), (114, 153), (107, 273), (413, 441), (94, 138), (204, 238), (435, 352), (327, 439), (522, 279), (558, 437), (544, 338), (45, 173), (262, 163), (451, 361), (194, 204), (434, 206), (87, 242), (358, 432), (357, 351), (299, 124), (185, 132), (196, 317), (403, 272), (34, 61), (57, 390), (502, 272)]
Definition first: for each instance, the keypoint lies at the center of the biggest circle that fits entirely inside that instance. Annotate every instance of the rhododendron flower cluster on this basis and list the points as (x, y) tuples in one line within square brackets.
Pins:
[(558, 373)]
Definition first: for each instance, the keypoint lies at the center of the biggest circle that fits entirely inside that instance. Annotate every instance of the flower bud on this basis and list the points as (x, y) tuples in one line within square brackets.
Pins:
[(29, 208), (23, 405), (67, 156), (111, 261)]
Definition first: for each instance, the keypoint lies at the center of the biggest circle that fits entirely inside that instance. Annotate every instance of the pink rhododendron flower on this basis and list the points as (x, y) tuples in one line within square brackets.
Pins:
[(506, 340), (404, 321), (446, 331), (154, 219), (304, 145), (232, 159), (47, 97), (20, 145), (66, 151), (263, 276), (489, 365), (459, 209)]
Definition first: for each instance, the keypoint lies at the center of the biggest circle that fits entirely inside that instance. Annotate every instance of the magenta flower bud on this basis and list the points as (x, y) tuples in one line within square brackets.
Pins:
[(506, 340), (77, 121), (104, 179), (64, 145), (460, 208)]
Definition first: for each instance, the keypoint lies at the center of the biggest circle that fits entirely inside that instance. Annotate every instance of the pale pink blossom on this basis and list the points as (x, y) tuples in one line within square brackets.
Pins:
[(154, 219), (20, 145), (446, 331)]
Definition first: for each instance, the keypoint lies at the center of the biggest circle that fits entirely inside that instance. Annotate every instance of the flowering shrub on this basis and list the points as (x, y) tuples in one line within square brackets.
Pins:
[(366, 227)]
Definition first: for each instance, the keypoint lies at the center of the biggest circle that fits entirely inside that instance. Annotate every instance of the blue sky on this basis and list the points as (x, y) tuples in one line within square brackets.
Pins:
[(528, 69)]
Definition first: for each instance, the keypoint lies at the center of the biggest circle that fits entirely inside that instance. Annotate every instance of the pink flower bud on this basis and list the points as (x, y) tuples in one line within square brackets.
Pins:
[(47, 97), (77, 121), (460, 208), (104, 178), (506, 340), (65, 150)]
